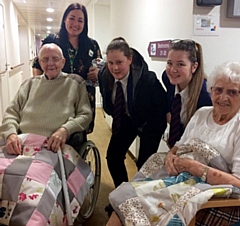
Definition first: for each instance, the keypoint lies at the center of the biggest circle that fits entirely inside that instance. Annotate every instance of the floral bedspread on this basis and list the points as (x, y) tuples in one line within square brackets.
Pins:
[(154, 198), (30, 184)]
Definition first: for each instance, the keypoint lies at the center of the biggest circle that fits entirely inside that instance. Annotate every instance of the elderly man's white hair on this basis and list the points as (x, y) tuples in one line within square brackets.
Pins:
[(50, 46)]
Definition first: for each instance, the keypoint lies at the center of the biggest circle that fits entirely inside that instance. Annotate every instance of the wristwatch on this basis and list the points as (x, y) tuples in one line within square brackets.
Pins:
[(204, 175)]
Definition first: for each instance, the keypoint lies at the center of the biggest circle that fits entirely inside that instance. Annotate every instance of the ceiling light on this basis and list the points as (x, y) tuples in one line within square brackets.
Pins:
[(48, 32), (49, 19), (50, 10), (48, 27), (24, 1)]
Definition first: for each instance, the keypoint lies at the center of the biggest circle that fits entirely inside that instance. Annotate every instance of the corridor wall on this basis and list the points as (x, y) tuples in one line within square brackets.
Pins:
[(140, 22)]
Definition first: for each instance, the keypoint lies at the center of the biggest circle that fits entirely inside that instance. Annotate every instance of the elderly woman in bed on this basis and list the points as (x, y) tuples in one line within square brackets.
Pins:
[(52, 105), (218, 127)]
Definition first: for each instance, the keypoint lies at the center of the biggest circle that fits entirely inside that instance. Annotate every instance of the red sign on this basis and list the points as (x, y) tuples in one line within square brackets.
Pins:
[(159, 48)]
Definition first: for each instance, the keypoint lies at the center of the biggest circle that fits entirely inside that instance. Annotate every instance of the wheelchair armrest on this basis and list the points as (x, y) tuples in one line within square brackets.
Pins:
[(76, 140)]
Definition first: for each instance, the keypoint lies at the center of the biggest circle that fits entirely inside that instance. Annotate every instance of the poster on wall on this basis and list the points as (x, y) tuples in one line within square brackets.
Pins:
[(206, 25)]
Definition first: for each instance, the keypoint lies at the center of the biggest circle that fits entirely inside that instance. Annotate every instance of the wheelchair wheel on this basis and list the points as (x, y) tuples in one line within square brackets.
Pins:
[(90, 154)]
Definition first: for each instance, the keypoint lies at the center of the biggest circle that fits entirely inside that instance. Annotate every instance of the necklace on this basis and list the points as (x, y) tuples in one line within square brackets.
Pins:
[(72, 54)]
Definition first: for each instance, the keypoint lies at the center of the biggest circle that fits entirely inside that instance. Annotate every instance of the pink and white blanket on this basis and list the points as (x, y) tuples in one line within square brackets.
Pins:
[(30, 184)]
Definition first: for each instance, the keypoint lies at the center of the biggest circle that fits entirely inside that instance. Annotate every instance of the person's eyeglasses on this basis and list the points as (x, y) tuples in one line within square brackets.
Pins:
[(230, 92), (54, 59)]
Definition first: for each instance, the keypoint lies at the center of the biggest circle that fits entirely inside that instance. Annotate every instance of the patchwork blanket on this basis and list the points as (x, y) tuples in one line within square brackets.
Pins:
[(154, 198), (30, 184)]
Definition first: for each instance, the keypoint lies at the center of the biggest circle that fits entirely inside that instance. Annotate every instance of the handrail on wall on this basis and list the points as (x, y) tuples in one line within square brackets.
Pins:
[(3, 72), (14, 67)]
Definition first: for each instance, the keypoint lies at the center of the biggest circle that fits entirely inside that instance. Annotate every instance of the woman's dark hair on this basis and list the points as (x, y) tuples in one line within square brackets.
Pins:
[(195, 54), (120, 44), (63, 34)]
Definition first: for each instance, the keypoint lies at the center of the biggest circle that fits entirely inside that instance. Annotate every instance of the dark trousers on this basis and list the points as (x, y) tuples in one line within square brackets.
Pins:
[(92, 98), (119, 145)]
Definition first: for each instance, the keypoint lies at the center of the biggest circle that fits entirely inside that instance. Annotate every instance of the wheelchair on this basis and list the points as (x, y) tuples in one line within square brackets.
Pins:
[(90, 154)]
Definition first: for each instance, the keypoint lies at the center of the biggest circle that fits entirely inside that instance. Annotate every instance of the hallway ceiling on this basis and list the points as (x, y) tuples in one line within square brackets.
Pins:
[(35, 14)]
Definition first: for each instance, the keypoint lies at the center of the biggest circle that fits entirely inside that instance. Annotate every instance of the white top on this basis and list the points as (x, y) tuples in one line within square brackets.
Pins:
[(224, 138)]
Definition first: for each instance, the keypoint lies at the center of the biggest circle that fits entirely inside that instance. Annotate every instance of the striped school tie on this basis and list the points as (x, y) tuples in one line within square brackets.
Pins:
[(118, 108), (175, 127)]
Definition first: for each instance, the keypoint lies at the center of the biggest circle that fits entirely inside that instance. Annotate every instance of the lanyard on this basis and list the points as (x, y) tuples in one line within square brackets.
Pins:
[(72, 54)]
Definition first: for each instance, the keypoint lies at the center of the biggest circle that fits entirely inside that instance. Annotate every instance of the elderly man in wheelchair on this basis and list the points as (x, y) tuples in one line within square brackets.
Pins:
[(46, 111)]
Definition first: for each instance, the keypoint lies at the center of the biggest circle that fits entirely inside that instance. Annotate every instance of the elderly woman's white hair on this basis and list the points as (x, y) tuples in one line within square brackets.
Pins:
[(230, 70)]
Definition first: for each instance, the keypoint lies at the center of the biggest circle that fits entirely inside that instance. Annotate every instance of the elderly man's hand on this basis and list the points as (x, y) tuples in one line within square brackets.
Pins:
[(93, 74), (169, 164), (14, 145), (57, 140)]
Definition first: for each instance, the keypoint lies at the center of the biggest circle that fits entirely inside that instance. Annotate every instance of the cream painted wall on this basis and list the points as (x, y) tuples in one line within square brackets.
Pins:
[(16, 54), (12, 37), (11, 80), (102, 26), (100, 23), (140, 22), (224, 47)]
